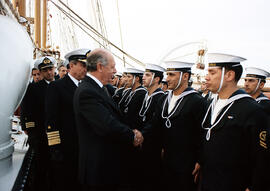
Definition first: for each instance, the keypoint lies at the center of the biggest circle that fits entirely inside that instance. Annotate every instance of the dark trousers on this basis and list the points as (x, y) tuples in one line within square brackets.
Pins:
[(173, 180), (40, 167)]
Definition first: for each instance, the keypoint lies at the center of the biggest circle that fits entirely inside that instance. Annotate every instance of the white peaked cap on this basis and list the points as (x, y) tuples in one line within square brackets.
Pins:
[(154, 68), (178, 66), (256, 73), (40, 60), (39, 63), (78, 54), (134, 71), (220, 60)]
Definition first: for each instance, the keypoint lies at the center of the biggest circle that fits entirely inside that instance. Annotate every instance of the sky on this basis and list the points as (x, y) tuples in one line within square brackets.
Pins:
[(152, 28)]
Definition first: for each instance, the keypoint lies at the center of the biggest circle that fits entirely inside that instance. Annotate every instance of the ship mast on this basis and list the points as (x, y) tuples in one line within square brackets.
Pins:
[(19, 5), (37, 23), (44, 24)]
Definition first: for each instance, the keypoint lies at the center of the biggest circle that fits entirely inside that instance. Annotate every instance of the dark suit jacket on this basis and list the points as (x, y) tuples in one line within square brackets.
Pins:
[(103, 139)]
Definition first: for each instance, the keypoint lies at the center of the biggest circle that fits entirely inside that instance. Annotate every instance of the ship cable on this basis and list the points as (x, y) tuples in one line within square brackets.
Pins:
[(121, 38), (101, 36), (74, 20)]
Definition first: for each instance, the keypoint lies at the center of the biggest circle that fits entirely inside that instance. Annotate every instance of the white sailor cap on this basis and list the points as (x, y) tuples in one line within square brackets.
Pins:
[(178, 66), (79, 54), (134, 71), (154, 68), (45, 62), (252, 72), (124, 70), (221, 60), (118, 74), (164, 79)]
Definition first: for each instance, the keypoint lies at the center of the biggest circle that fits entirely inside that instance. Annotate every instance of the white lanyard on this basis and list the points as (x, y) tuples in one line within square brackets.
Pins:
[(259, 81), (123, 95), (146, 104), (168, 98), (221, 80), (129, 98), (117, 91), (212, 105), (179, 81)]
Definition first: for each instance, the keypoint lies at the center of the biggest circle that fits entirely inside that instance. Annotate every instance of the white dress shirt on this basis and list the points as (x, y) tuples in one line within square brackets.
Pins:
[(76, 82), (95, 79)]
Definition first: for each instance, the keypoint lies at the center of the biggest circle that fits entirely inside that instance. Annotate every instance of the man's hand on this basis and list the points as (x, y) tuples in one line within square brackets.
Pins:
[(138, 139), (196, 172)]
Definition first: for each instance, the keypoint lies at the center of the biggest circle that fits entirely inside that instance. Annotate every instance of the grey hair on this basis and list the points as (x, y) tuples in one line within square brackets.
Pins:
[(94, 59)]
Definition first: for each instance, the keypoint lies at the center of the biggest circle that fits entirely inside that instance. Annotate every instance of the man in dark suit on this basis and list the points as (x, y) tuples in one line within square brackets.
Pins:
[(60, 123), (33, 113), (103, 138)]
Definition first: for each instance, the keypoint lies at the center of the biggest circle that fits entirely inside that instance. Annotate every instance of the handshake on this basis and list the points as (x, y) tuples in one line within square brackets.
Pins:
[(138, 138)]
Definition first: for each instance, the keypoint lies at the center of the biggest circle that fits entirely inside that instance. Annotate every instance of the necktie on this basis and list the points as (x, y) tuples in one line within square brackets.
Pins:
[(106, 91)]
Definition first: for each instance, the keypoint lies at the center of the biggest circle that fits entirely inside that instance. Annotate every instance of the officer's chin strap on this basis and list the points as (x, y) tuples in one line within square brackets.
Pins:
[(179, 81), (259, 81), (153, 76), (222, 79)]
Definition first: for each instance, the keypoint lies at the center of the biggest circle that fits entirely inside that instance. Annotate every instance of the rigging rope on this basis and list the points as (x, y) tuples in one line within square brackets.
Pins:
[(75, 22), (119, 23), (99, 35), (102, 23)]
